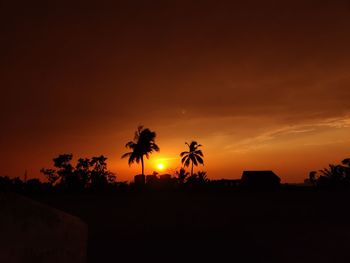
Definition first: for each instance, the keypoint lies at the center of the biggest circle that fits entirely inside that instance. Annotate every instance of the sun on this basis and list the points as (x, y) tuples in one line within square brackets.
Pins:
[(160, 166)]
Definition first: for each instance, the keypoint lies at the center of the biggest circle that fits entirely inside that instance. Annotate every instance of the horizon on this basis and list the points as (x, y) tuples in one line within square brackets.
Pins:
[(262, 86)]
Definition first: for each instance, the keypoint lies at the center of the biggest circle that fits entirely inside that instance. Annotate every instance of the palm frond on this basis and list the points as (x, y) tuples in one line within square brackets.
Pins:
[(126, 155), (187, 162), (183, 153), (199, 159), (199, 152), (130, 145), (155, 147), (184, 159), (193, 159)]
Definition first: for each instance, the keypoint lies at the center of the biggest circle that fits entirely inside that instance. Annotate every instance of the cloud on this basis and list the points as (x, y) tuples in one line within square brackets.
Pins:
[(284, 134)]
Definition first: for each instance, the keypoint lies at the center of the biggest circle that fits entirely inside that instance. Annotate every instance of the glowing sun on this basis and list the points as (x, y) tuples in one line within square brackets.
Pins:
[(160, 166)]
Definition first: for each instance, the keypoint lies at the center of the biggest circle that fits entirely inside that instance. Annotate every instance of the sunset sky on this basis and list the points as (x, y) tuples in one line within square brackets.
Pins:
[(260, 84)]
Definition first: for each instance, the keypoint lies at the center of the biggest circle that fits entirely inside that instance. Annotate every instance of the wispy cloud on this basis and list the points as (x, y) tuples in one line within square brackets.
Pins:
[(265, 139)]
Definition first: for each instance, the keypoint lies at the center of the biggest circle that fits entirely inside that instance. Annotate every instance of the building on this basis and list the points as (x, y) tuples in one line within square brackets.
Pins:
[(139, 179), (260, 179)]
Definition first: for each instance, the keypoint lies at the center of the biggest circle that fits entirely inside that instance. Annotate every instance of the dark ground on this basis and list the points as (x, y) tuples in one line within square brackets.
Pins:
[(286, 226)]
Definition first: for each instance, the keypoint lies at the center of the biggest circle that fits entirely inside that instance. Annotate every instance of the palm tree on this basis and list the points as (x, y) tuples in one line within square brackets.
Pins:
[(181, 175), (312, 177), (333, 174), (346, 162), (202, 177), (193, 156), (142, 145)]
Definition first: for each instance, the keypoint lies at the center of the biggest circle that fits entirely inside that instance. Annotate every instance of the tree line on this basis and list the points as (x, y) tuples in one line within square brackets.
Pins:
[(144, 145), (335, 176), (92, 174)]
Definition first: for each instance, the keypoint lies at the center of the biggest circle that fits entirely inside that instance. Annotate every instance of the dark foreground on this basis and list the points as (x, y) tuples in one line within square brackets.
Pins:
[(288, 226)]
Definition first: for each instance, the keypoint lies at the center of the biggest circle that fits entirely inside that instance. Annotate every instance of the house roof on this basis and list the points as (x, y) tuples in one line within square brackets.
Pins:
[(260, 173)]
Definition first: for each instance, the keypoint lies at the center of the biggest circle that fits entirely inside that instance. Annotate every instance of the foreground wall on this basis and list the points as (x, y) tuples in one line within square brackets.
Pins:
[(32, 232)]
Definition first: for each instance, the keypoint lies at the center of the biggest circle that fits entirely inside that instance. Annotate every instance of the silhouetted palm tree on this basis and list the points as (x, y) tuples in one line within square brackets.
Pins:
[(193, 156), (346, 161), (202, 177), (181, 175), (334, 174), (312, 177), (142, 145)]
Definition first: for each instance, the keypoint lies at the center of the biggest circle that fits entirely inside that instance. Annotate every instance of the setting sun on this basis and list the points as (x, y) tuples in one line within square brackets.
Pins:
[(160, 166)]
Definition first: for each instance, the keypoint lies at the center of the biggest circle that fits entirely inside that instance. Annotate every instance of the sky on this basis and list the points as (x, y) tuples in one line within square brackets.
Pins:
[(262, 85)]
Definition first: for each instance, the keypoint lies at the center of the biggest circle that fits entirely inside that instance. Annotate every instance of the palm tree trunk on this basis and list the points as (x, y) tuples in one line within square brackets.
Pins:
[(143, 170), (192, 170)]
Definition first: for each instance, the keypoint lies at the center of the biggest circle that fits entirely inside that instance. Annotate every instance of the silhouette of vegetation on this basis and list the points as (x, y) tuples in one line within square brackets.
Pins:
[(142, 145), (193, 156), (312, 177), (100, 176), (92, 174), (181, 175), (198, 178), (335, 176), (86, 174)]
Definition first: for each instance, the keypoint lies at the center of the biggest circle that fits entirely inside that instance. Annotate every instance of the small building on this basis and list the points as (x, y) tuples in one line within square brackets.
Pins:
[(152, 179), (166, 180), (260, 180), (165, 177), (139, 179)]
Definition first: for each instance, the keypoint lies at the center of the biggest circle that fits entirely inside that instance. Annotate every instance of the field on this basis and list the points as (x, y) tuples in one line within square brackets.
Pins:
[(229, 226)]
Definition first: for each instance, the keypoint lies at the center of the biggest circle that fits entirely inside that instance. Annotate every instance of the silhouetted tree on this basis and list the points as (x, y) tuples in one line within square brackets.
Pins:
[(346, 167), (181, 175), (333, 175), (192, 156), (87, 173), (312, 177), (198, 178), (82, 170), (51, 175), (202, 177), (69, 180), (100, 176), (142, 145)]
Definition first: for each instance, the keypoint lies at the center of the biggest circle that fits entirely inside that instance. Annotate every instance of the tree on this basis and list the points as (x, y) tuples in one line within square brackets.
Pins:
[(87, 173), (312, 177), (51, 175), (100, 176), (334, 176), (346, 162), (181, 175), (346, 167), (192, 156), (69, 180), (142, 145), (198, 178), (202, 177), (334, 173), (82, 170)]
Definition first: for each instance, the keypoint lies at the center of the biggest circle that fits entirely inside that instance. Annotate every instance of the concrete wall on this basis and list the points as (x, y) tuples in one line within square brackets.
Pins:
[(33, 232)]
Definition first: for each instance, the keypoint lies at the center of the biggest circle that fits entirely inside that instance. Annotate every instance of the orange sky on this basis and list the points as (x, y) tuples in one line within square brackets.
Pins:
[(260, 85)]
